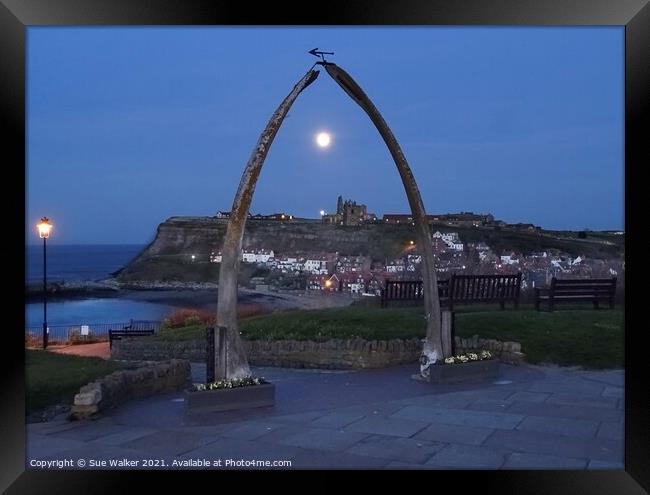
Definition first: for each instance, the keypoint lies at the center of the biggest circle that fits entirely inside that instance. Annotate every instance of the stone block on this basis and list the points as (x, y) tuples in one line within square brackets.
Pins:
[(83, 411), (88, 398)]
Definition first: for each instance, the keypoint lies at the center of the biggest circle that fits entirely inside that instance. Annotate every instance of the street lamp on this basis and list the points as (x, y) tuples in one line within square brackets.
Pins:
[(44, 232)]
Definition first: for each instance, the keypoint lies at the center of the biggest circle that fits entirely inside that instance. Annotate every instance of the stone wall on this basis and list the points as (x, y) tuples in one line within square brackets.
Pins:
[(332, 354), (506, 352), (144, 379), (147, 349)]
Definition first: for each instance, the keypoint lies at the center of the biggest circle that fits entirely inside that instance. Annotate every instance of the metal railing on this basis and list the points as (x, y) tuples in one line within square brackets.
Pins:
[(83, 333)]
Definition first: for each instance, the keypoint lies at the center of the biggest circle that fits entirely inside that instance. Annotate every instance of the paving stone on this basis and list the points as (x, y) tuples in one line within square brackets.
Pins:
[(572, 400), (582, 387), (490, 405), (467, 435), (49, 428), (387, 426), (304, 418), (490, 392), (381, 409), (518, 460), (615, 392), (529, 396), (558, 445), (313, 438), (443, 401), (468, 457), (168, 442), (208, 430), (251, 430), (407, 465), (593, 464), (89, 431), (610, 377), (560, 426), (460, 417), (123, 435), (402, 449), (563, 411), (42, 446), (338, 419), (234, 449), (613, 431)]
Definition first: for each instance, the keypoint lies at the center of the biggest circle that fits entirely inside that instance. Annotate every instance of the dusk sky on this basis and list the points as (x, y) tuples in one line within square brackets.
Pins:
[(127, 127)]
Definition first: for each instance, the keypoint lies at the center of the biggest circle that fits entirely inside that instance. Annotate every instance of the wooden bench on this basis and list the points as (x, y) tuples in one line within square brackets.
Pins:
[(458, 289), (136, 328), (577, 290), (120, 334)]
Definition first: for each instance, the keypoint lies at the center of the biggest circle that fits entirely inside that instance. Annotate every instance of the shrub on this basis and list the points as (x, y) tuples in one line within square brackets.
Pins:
[(187, 316), (190, 317)]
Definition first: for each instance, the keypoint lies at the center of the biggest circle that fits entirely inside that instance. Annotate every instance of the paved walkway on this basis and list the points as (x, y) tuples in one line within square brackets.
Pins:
[(530, 418)]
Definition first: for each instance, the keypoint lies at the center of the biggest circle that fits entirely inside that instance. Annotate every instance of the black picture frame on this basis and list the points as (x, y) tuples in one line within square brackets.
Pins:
[(17, 15)]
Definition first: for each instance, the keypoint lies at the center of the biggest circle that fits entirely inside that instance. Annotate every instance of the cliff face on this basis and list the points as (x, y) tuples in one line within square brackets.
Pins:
[(202, 235), (169, 256)]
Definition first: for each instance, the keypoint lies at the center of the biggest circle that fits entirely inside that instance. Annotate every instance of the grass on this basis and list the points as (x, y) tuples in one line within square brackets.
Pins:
[(53, 378), (567, 337), (587, 338)]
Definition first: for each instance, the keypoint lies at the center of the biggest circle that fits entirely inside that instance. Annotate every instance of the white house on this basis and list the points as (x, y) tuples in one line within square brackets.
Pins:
[(451, 239), (260, 256), (316, 266), (455, 245), (509, 260), (396, 266), (288, 264)]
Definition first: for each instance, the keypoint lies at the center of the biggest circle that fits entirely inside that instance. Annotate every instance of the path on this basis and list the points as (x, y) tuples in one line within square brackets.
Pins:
[(100, 349), (532, 417)]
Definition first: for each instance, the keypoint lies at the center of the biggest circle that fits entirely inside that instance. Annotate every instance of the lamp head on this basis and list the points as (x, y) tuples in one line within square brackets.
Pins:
[(44, 228)]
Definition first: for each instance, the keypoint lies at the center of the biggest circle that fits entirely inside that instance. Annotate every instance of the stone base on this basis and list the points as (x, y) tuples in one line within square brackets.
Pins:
[(227, 399), (472, 371)]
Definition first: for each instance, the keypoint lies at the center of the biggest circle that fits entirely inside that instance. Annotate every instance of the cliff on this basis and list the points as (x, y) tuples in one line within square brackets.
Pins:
[(169, 256)]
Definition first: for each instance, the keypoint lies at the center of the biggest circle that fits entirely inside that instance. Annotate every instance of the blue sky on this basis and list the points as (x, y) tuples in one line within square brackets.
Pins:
[(129, 126)]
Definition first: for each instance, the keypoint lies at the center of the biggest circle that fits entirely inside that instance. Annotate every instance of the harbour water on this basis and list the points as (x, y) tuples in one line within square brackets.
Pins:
[(89, 311), (86, 263)]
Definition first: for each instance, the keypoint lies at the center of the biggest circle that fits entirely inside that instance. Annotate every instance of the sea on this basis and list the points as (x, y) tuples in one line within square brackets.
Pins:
[(67, 263)]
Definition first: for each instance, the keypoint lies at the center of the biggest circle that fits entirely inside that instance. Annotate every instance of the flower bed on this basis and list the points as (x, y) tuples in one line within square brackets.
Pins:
[(227, 395), (233, 383), (470, 356), (470, 367)]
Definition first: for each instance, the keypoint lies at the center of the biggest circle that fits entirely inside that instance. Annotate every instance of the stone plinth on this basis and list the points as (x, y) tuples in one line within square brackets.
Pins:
[(227, 399), (472, 371)]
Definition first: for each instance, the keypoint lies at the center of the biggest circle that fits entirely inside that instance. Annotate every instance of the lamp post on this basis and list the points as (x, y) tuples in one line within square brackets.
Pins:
[(44, 232)]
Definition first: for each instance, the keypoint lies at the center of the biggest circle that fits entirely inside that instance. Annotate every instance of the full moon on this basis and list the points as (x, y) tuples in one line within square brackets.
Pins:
[(323, 139)]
